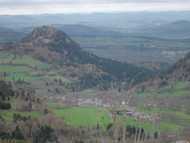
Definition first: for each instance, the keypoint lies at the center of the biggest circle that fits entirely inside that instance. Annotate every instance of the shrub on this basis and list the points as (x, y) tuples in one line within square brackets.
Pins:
[(17, 134), (4, 135), (18, 117), (5, 106), (44, 134)]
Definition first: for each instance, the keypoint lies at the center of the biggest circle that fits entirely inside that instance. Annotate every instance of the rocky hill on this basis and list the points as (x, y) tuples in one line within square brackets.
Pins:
[(53, 47), (50, 44)]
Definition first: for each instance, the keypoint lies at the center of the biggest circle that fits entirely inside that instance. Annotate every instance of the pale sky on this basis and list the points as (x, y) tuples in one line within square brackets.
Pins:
[(17, 7)]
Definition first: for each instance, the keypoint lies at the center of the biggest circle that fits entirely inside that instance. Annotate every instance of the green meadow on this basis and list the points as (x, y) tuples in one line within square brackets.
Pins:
[(84, 116)]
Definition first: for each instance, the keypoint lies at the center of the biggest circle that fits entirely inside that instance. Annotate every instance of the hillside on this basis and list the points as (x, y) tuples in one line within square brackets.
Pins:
[(181, 70), (168, 86), (55, 55), (167, 95), (178, 72)]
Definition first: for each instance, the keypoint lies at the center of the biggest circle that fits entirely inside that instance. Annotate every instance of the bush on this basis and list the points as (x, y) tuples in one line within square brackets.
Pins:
[(44, 134), (18, 117), (17, 134), (109, 126), (5, 106), (4, 135), (5, 90)]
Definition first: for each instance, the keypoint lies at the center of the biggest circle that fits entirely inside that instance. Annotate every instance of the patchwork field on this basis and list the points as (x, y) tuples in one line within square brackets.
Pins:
[(9, 58), (23, 68)]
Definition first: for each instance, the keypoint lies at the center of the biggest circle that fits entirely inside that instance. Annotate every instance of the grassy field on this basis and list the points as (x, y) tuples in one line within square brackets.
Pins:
[(84, 116), (90, 116)]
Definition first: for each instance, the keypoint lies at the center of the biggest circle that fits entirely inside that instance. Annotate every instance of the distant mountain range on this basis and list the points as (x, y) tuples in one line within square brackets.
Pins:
[(179, 29), (84, 30), (175, 30), (8, 34)]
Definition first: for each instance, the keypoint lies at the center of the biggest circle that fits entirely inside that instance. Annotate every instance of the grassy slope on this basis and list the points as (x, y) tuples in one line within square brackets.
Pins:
[(7, 57), (26, 68)]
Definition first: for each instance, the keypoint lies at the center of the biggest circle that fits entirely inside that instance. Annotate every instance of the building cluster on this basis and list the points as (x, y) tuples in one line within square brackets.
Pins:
[(80, 101)]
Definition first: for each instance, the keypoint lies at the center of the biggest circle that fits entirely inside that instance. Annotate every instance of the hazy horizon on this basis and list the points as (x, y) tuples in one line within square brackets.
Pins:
[(22, 7)]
